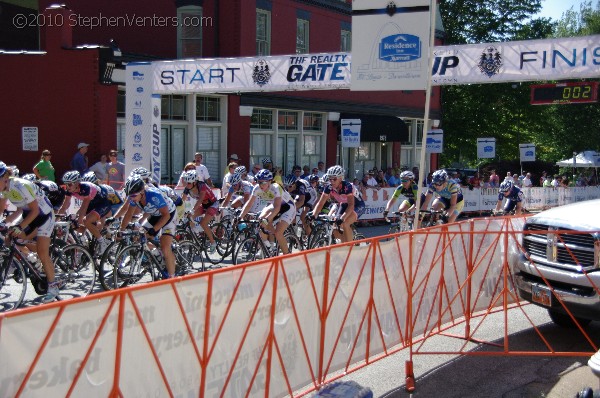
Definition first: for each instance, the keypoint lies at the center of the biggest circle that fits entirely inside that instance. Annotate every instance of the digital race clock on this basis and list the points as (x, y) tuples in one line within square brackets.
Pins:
[(564, 93)]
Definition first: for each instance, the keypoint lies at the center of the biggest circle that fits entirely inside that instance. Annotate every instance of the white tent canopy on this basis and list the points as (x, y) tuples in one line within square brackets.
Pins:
[(583, 159)]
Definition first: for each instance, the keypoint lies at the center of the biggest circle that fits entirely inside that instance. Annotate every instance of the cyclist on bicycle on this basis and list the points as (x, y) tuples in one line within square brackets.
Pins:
[(37, 220), (513, 195), (448, 195), (162, 215), (280, 210), (239, 188), (54, 193), (145, 175), (206, 203), (113, 197), (351, 205), (94, 206), (407, 188), (304, 197)]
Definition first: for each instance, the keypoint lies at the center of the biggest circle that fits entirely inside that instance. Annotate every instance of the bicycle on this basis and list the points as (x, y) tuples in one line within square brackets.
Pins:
[(252, 247), (431, 218), (74, 269), (322, 232), (402, 222), (136, 263), (184, 231)]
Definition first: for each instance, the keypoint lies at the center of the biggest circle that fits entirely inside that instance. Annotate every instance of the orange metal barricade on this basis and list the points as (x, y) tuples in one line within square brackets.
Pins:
[(277, 327)]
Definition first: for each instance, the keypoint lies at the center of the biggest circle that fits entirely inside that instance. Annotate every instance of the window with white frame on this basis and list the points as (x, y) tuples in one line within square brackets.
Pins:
[(208, 142), (302, 34), (260, 147), (364, 158), (173, 107), (346, 42), (313, 121), (287, 120), (208, 109), (311, 150), (262, 119), (263, 32), (189, 32)]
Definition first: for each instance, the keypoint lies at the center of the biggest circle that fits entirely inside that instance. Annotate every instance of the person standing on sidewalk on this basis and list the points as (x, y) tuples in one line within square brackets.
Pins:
[(43, 169), (115, 171)]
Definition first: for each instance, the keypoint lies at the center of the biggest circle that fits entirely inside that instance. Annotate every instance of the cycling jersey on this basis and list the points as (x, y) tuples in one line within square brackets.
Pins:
[(409, 193), (171, 194), (112, 195), (155, 200), (446, 193), (54, 193), (515, 194), (21, 193), (341, 196), (241, 188), (209, 196), (302, 187), (275, 191)]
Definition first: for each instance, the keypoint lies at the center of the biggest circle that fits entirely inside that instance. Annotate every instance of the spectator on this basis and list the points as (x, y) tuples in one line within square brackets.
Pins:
[(315, 172), (563, 182), (527, 181), (100, 168), (234, 158), (486, 182), (305, 172), (516, 180), (494, 179), (371, 182), (80, 160), (380, 178), (278, 176), (188, 167), (415, 171), (296, 172), (543, 178), (389, 173), (225, 185), (255, 169), (115, 171), (547, 182), (475, 181), (43, 169), (201, 170), (556, 181), (321, 169), (268, 164), (394, 180)]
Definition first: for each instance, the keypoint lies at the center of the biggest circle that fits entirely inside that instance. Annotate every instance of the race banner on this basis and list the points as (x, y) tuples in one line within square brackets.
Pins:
[(351, 133), (531, 60), (527, 152), (253, 74), (486, 148), (435, 141), (390, 43)]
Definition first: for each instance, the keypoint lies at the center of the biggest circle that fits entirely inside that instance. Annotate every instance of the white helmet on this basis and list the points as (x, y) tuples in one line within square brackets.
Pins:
[(335, 171), (189, 176), (71, 176)]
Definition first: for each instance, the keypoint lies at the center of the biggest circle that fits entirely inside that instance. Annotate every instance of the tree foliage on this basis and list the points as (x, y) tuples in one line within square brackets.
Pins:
[(502, 110)]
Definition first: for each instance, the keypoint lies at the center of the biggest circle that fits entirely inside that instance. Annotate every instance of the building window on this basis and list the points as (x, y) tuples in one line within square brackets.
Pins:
[(262, 119), (208, 142), (311, 150), (312, 121), (208, 109), (287, 120), (420, 124), (260, 147), (173, 107), (121, 141), (346, 45), (189, 32), (364, 159), (302, 30), (263, 32)]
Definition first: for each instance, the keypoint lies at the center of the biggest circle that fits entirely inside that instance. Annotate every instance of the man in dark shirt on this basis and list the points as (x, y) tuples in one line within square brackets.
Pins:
[(80, 160)]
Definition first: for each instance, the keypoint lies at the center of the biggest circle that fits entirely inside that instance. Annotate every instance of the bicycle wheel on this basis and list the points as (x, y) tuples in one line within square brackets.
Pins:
[(223, 233), (321, 241), (318, 232), (132, 265), (75, 270), (214, 257), (394, 229), (13, 284), (294, 243), (249, 250), (188, 258), (105, 268)]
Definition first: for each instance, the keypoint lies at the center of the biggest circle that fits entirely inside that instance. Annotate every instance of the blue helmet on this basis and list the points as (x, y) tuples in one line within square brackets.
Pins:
[(264, 175), (289, 180), (3, 168), (506, 185), (439, 176)]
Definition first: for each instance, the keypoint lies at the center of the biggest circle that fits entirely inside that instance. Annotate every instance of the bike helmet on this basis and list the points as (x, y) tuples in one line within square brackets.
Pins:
[(407, 175), (71, 176), (141, 171), (90, 176), (240, 170), (289, 180), (506, 186), (134, 184), (3, 168), (335, 171), (235, 178), (189, 176), (30, 177), (264, 175), (439, 176), (324, 179), (15, 170), (266, 160), (313, 178)]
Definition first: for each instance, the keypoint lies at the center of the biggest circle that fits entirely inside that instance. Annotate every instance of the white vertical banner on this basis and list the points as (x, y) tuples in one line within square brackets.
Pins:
[(486, 148), (350, 133), (390, 45), (139, 116), (156, 133), (527, 152), (435, 141)]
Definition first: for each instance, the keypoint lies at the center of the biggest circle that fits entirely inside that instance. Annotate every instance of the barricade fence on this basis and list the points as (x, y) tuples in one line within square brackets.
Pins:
[(274, 328)]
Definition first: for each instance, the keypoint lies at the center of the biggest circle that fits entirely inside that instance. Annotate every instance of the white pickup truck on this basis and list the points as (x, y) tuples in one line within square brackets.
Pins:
[(561, 259)]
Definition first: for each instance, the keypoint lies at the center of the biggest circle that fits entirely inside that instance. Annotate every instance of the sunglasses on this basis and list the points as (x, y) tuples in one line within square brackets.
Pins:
[(333, 178), (438, 184), (69, 184), (263, 182), (48, 154), (405, 180), (134, 195)]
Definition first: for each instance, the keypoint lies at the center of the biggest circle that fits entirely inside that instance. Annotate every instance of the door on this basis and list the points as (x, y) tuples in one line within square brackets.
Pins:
[(172, 153), (286, 152)]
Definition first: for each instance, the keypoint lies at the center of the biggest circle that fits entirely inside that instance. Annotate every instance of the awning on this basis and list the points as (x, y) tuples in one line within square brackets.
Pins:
[(378, 128)]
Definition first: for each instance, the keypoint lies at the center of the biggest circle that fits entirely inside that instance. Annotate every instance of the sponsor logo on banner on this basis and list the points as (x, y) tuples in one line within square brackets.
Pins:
[(156, 111), (140, 89), (261, 74), (137, 104), (351, 133), (400, 48), (137, 120), (137, 157), (435, 141), (139, 76), (490, 62)]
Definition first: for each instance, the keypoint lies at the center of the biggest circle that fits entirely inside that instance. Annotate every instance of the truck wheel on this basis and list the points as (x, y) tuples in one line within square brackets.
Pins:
[(565, 321)]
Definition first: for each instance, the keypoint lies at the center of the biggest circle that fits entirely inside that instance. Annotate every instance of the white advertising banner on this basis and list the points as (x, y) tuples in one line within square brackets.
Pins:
[(390, 43), (527, 152), (486, 148), (531, 60), (139, 117), (351, 133), (435, 141), (276, 73)]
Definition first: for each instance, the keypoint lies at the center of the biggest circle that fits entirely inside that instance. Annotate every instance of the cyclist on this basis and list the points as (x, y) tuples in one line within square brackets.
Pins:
[(351, 205), (145, 175), (37, 220), (54, 193), (162, 215), (279, 211), (206, 203), (448, 195), (240, 188), (513, 195), (94, 206), (112, 195), (407, 188), (304, 196)]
